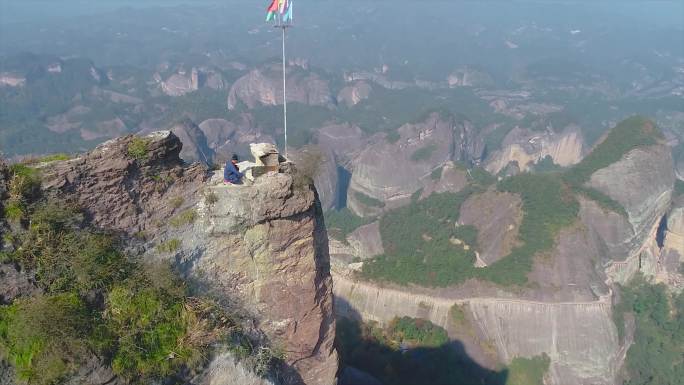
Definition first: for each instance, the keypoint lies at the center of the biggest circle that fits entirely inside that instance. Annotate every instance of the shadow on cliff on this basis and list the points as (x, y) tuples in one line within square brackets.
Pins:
[(366, 360)]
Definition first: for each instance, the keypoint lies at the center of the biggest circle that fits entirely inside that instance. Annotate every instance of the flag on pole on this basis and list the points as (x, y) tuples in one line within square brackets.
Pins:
[(288, 13), (279, 7)]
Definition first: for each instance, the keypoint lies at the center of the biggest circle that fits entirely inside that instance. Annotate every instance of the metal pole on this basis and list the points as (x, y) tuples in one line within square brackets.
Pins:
[(284, 92)]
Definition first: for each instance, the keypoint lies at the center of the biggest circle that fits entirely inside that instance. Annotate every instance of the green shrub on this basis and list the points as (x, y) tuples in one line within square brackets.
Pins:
[(417, 332), (341, 223), (655, 357), (417, 239), (423, 153), (480, 177), (24, 182), (49, 158), (45, 337), (66, 258), (169, 246), (184, 218), (14, 210), (368, 201), (150, 326), (138, 148), (528, 371)]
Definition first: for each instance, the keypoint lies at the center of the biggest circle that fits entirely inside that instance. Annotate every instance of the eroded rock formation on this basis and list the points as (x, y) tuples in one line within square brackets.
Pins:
[(261, 247), (525, 148), (264, 87)]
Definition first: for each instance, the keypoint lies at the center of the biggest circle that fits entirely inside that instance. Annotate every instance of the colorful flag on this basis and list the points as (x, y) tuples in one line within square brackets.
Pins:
[(288, 12), (280, 7)]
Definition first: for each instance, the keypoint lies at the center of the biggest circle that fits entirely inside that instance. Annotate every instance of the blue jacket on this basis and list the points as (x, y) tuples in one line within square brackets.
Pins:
[(232, 173)]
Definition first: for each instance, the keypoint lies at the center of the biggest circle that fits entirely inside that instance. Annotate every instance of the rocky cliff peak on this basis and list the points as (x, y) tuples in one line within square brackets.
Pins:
[(261, 247)]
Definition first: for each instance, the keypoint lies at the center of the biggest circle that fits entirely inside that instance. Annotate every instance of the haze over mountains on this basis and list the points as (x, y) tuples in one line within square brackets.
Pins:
[(498, 192)]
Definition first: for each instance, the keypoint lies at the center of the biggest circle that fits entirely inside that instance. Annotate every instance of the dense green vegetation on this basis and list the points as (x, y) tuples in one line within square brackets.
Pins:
[(417, 332), (657, 355), (528, 371), (341, 223), (411, 351), (423, 245), (628, 134)]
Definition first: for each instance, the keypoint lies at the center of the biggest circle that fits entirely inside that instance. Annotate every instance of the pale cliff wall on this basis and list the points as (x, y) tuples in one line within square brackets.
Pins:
[(528, 147)]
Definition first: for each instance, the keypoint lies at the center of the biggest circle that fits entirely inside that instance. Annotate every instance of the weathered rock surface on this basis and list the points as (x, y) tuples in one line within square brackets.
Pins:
[(642, 183), (121, 193), (181, 83), (526, 148), (452, 178), (264, 87), (354, 93), (579, 336), (421, 148), (344, 140), (261, 247), (226, 370), (366, 242), (265, 246), (15, 283), (497, 217)]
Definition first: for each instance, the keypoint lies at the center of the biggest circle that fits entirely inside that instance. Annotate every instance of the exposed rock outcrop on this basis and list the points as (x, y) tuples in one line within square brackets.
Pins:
[(366, 241), (354, 93), (344, 140), (122, 193), (264, 87), (420, 149), (497, 217), (526, 148), (642, 183), (265, 246), (261, 247)]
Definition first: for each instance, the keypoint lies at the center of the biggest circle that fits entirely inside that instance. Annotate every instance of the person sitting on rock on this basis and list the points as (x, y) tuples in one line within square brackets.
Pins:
[(231, 173)]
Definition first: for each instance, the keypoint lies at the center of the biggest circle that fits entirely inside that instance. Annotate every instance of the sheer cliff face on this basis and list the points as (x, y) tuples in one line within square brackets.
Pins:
[(261, 248), (526, 148), (642, 182), (420, 149), (265, 245)]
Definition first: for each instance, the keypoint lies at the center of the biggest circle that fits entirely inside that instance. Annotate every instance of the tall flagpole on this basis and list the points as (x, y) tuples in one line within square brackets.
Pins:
[(284, 26)]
